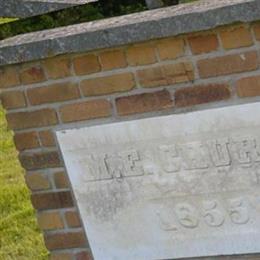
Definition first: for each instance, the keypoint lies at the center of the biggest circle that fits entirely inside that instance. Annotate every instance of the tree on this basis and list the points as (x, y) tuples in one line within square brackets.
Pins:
[(152, 4)]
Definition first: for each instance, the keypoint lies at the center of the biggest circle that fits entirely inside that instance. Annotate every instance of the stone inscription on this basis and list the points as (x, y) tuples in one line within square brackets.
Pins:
[(151, 188), (172, 158)]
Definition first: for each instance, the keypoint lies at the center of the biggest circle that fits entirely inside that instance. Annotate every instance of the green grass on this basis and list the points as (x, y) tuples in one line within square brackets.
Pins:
[(6, 20), (20, 238)]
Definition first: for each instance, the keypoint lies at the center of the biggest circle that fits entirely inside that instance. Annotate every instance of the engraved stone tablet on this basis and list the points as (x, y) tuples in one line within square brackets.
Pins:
[(169, 187)]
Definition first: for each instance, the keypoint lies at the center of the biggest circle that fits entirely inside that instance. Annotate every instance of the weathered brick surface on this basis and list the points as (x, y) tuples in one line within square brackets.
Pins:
[(236, 37), (59, 67), (85, 110), (37, 181), (65, 240), (13, 99), (52, 200), (257, 31), (37, 118), (8, 77), (86, 64), (86, 255), (50, 220), (61, 180), (248, 87), (47, 138), (166, 75), (61, 256), (108, 85), (33, 74), (141, 54), (228, 64), (72, 219), (42, 160), (201, 94), (203, 43), (170, 48), (113, 59), (142, 103), (25, 141), (54, 93)]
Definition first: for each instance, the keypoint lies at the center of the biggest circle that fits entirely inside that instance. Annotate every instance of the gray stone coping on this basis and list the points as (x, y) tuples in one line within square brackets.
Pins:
[(27, 8), (165, 22)]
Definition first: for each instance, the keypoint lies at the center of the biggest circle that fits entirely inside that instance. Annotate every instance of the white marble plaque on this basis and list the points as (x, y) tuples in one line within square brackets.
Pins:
[(169, 187)]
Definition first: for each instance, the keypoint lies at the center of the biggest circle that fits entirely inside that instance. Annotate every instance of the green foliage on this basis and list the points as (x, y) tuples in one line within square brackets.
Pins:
[(6, 20), (20, 237), (79, 14)]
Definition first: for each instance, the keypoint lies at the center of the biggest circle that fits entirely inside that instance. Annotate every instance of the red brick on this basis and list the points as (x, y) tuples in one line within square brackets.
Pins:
[(141, 54), (228, 64), (61, 180), (108, 85), (65, 240), (113, 59), (170, 48), (257, 31), (38, 118), (37, 181), (50, 220), (8, 77), (85, 110), (236, 38), (40, 160), (248, 87), (85, 255), (52, 200), (47, 138), (142, 103), (13, 99), (72, 219), (25, 141), (201, 94), (53, 93), (58, 67), (166, 75), (203, 43), (86, 64), (32, 74), (61, 256)]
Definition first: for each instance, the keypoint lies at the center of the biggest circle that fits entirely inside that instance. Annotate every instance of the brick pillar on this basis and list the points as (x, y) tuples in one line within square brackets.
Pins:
[(170, 75)]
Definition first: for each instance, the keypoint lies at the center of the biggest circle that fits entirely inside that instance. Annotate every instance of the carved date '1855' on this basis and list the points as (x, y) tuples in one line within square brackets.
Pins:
[(212, 214)]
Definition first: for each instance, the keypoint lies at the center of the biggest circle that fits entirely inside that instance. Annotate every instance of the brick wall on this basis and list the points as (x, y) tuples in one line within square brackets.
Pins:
[(173, 75)]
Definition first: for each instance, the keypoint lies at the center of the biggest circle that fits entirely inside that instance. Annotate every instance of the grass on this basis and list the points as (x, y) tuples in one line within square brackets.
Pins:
[(6, 20), (20, 238)]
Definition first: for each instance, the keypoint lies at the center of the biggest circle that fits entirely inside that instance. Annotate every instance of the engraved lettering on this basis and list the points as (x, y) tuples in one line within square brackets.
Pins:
[(169, 158), (245, 150), (95, 168), (212, 215), (132, 163), (219, 152), (124, 164), (194, 155), (186, 215), (238, 211), (166, 222)]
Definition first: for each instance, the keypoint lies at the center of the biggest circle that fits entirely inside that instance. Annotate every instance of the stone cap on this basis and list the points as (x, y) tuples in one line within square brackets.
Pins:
[(138, 27), (27, 8)]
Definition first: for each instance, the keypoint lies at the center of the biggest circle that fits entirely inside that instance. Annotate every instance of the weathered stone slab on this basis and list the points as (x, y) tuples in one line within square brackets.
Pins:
[(27, 8), (169, 187)]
